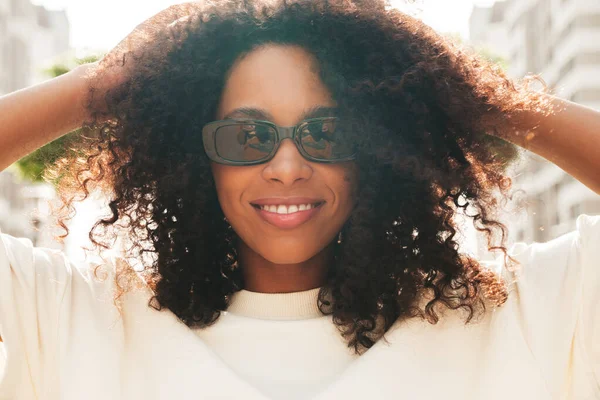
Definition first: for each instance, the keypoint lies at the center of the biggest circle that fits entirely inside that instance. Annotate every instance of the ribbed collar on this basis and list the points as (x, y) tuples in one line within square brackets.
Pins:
[(276, 306)]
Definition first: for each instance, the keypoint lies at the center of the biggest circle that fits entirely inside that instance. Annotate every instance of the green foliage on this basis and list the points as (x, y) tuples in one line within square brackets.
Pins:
[(485, 52), (57, 70), (32, 166), (494, 58), (87, 59)]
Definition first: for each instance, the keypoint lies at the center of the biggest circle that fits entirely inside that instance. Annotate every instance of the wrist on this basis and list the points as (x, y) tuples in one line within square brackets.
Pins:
[(525, 127), (80, 77)]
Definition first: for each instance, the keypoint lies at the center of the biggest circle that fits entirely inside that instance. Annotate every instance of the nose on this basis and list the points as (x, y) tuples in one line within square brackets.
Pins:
[(287, 166)]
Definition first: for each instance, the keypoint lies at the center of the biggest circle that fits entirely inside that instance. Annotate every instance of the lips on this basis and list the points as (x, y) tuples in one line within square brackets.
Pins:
[(287, 213)]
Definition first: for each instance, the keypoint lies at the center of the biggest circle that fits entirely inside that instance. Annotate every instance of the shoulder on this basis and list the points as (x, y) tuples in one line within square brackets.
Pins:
[(45, 268), (572, 250)]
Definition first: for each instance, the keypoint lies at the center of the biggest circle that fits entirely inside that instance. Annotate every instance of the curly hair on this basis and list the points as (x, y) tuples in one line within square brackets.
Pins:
[(426, 114)]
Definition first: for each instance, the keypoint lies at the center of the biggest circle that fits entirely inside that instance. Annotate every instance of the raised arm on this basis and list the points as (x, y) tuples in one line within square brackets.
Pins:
[(32, 117), (569, 137)]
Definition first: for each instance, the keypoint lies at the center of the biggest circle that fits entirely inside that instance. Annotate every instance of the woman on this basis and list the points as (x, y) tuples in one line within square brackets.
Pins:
[(276, 266)]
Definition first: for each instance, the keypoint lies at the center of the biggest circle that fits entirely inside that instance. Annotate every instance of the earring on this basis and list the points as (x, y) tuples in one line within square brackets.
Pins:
[(339, 239)]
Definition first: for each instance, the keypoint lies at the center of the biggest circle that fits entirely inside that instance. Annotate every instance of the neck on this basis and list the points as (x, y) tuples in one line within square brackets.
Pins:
[(261, 275)]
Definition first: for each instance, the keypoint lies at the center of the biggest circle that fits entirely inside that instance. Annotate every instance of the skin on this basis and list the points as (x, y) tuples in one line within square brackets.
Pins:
[(284, 82)]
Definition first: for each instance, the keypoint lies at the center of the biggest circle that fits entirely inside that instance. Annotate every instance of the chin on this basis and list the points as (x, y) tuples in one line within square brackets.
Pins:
[(289, 253), (286, 257)]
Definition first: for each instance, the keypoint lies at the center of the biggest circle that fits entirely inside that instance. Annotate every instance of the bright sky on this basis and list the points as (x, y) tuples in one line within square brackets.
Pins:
[(102, 24)]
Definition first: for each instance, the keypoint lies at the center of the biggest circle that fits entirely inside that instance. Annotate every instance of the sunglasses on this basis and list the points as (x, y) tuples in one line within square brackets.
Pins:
[(251, 142)]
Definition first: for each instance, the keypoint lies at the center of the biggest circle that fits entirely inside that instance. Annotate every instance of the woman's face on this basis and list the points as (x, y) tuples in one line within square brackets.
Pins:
[(283, 83)]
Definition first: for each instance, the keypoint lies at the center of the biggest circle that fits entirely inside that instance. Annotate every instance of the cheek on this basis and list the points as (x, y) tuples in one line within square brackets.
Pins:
[(230, 183)]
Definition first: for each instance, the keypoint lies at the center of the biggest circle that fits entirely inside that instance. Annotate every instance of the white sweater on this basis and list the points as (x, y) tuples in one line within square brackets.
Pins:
[(64, 339)]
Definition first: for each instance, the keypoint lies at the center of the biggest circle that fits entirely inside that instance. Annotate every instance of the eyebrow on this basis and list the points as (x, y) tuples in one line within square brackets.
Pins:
[(259, 113)]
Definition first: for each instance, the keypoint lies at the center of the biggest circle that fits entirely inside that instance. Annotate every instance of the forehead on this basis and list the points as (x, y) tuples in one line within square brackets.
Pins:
[(283, 80)]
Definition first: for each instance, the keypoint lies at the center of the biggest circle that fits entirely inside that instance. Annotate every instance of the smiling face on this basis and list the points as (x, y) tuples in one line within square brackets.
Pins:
[(281, 85)]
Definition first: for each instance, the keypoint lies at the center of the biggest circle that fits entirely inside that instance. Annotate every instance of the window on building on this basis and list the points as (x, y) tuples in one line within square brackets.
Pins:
[(562, 36), (548, 23), (589, 58), (539, 218), (514, 56), (575, 211), (550, 55), (19, 7), (18, 64), (587, 21), (555, 218), (581, 21), (43, 17), (520, 235), (589, 95), (568, 67), (518, 22)]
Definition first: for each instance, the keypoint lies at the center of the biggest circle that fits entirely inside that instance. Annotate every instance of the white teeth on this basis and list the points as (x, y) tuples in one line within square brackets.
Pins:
[(283, 209)]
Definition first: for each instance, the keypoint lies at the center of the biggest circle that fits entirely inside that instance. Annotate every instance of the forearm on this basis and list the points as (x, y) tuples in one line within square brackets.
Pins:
[(569, 138), (32, 117)]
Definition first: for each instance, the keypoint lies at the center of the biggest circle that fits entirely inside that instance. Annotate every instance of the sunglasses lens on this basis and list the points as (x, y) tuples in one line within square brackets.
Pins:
[(245, 142), (325, 140)]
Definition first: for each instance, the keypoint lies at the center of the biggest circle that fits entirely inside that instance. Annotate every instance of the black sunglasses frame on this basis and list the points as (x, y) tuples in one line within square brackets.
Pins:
[(209, 132)]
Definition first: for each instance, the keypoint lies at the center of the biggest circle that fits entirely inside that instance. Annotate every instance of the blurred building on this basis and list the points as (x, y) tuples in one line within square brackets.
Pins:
[(487, 31), (560, 41), (30, 38), (24, 209)]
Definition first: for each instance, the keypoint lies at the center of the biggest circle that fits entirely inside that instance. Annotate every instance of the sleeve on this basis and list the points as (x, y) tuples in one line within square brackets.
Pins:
[(33, 282), (590, 311), (556, 295)]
